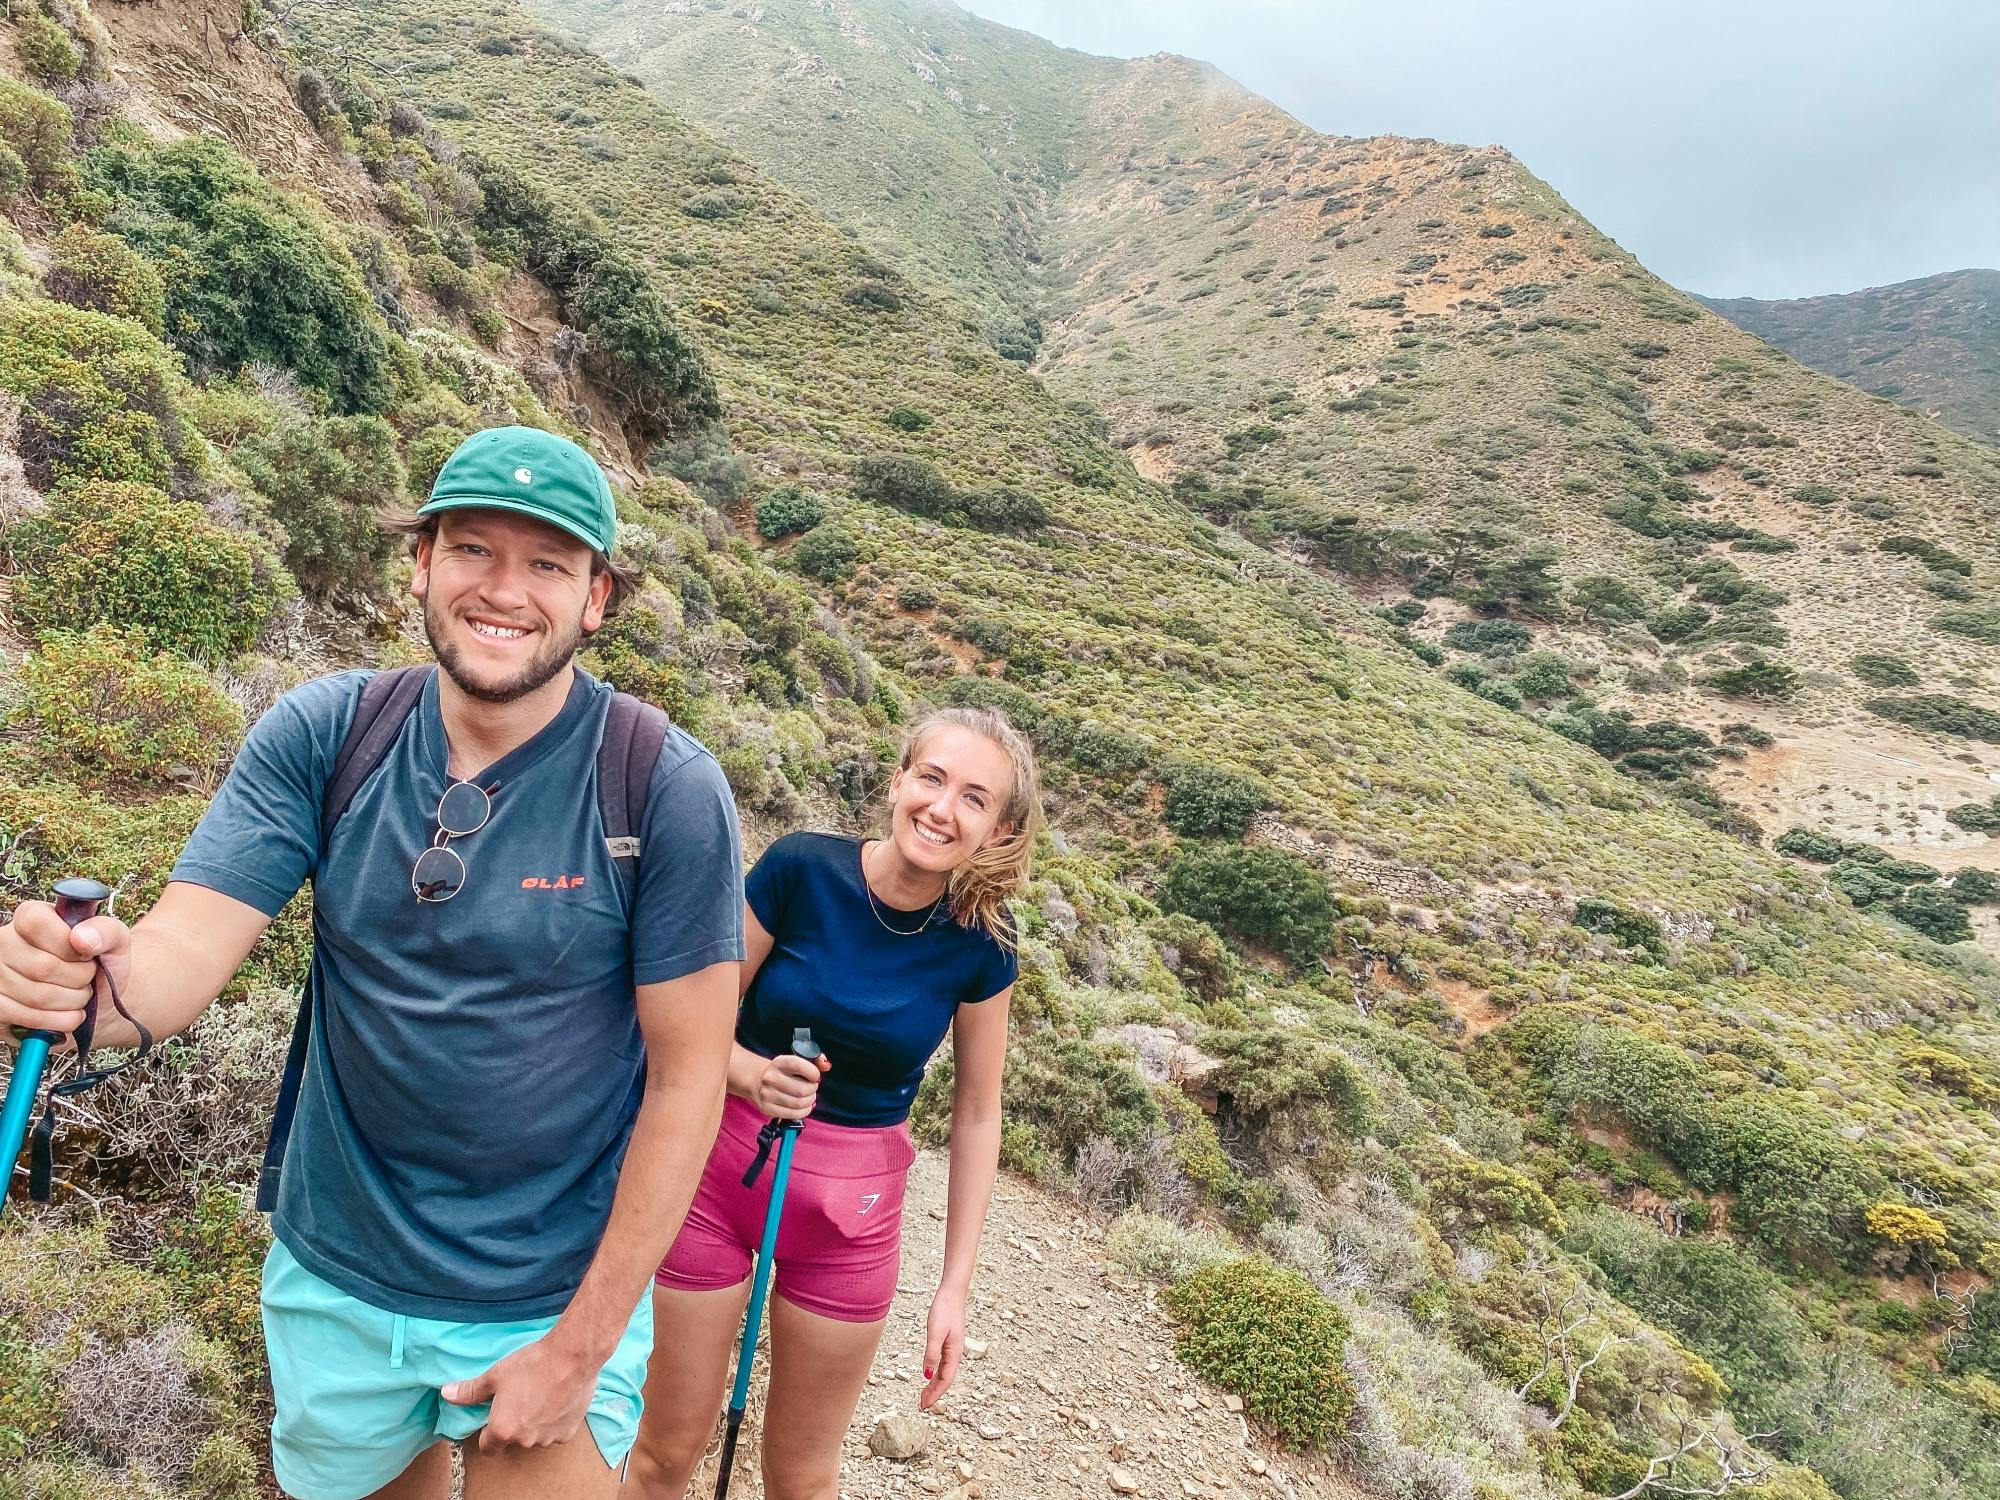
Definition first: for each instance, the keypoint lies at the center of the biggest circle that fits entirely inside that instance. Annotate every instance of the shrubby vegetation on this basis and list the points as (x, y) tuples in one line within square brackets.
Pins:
[(127, 555), (249, 277), (1265, 1333)]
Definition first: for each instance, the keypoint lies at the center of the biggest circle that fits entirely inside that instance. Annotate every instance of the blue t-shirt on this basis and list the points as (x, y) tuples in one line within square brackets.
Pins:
[(476, 1063), (878, 1002)]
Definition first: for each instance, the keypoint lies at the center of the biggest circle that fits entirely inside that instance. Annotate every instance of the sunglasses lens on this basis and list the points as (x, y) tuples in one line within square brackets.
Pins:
[(464, 809), (438, 875)]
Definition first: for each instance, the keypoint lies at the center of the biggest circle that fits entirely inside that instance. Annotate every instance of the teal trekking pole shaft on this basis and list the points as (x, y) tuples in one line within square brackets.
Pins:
[(786, 1132), (76, 901)]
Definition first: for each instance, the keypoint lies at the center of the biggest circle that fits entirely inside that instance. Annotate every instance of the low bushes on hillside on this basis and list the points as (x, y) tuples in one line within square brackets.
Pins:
[(609, 295), (100, 398), (787, 510), (106, 703), (326, 480), (250, 276), (1939, 713), (1880, 669), (1262, 896), (913, 486), (88, 268), (1206, 800), (827, 552), (1269, 1336), (130, 556)]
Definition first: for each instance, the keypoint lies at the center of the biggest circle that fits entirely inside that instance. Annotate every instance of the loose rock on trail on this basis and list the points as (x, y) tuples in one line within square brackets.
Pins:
[(1070, 1388)]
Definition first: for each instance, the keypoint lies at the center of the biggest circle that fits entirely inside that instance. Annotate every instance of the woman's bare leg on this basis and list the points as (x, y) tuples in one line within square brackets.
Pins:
[(818, 1369), (693, 1334)]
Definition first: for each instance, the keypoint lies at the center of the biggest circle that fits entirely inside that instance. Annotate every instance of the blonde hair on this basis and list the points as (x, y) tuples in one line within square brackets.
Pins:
[(980, 888)]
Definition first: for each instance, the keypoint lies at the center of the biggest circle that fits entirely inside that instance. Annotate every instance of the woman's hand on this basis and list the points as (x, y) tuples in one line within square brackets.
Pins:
[(944, 1346), (789, 1086)]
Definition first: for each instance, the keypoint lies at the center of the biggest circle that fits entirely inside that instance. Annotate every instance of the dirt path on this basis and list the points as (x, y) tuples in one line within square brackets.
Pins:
[(1076, 1373)]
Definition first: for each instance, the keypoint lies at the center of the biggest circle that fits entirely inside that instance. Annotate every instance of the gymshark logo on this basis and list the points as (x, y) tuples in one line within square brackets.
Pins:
[(869, 1200)]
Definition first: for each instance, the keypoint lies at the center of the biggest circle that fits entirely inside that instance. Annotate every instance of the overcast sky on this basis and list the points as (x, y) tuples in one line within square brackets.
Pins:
[(1754, 148)]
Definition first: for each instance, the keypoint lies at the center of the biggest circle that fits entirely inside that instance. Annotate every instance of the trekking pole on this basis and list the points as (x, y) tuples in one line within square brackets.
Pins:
[(76, 901), (784, 1132)]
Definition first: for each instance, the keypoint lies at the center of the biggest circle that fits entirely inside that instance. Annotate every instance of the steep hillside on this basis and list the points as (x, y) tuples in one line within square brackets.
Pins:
[(1416, 365), (1447, 1020), (1932, 343), (945, 150)]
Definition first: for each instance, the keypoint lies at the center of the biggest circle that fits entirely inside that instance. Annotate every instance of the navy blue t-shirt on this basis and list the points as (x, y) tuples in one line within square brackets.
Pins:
[(476, 1064), (878, 1002)]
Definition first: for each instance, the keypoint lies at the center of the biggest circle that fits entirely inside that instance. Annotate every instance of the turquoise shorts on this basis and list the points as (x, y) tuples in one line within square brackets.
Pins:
[(357, 1387)]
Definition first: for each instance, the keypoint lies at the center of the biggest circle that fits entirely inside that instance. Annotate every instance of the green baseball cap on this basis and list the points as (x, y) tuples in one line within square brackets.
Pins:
[(534, 473)]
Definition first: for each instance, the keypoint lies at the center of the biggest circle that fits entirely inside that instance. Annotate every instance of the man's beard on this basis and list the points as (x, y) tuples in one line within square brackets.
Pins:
[(540, 670)]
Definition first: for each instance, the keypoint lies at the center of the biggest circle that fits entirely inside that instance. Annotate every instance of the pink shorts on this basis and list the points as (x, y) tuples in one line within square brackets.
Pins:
[(841, 1233)]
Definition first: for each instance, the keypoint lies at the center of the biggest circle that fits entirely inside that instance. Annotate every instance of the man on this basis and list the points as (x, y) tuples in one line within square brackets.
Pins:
[(456, 1246)]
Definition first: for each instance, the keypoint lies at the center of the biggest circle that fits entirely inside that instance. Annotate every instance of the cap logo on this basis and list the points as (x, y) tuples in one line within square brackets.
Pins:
[(524, 475)]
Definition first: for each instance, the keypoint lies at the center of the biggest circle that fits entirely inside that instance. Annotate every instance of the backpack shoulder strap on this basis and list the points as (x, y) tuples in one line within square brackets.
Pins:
[(634, 731), (386, 702)]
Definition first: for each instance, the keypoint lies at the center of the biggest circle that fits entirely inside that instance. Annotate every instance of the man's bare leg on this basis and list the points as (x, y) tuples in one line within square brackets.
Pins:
[(427, 1478), (574, 1470)]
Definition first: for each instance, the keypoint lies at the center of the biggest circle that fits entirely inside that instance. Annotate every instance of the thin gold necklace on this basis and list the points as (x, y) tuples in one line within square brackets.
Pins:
[(874, 907)]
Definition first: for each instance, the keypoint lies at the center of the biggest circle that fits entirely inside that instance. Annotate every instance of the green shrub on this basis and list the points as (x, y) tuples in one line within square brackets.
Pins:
[(1757, 679), (13, 175), (788, 509), (1932, 912), (251, 277), (1000, 510), (451, 286), (105, 702), (1600, 597), (326, 480), (1976, 817), (1727, 1307), (1975, 888), (100, 397), (38, 128), (129, 556), (1541, 675), (1107, 752), (1808, 843), (903, 483), (212, 1258), (637, 346), (992, 637), (46, 50), (1487, 636), (1630, 929), (915, 597), (1817, 494), (425, 455), (1301, 1094), (100, 271), (1257, 895), (1067, 1090), (1204, 800), (908, 419), (1269, 1336), (1679, 622), (1982, 625), (827, 552), (1879, 669), (1939, 713), (707, 463), (1468, 1193)]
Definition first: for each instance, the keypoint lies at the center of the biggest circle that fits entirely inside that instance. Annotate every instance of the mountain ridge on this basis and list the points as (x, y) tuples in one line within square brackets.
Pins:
[(1931, 342)]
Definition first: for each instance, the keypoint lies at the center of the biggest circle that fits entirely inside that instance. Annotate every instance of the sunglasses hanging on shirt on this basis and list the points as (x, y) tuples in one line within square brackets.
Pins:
[(462, 810)]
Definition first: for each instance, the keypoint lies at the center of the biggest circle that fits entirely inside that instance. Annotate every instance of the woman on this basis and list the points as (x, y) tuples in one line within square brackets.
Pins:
[(878, 946)]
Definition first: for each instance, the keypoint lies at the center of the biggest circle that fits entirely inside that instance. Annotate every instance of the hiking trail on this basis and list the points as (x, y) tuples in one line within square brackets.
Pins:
[(1072, 1387)]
